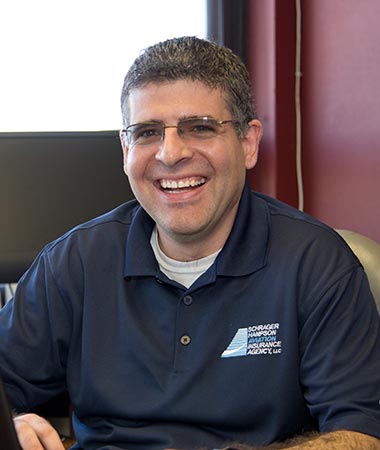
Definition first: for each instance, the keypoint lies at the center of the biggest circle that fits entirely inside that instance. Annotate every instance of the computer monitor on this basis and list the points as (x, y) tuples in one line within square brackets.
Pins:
[(50, 182)]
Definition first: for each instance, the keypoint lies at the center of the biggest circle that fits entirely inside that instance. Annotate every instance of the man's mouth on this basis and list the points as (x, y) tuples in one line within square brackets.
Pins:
[(180, 185)]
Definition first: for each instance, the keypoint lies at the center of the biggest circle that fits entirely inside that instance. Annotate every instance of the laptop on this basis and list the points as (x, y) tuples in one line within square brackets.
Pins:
[(8, 437)]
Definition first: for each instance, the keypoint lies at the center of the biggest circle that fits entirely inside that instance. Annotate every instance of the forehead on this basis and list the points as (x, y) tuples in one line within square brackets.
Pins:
[(174, 100)]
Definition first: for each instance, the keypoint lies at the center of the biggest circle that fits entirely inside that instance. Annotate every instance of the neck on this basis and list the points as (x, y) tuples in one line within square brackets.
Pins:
[(190, 247)]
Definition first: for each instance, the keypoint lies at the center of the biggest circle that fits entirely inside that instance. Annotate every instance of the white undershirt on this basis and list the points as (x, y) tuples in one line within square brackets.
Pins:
[(184, 272)]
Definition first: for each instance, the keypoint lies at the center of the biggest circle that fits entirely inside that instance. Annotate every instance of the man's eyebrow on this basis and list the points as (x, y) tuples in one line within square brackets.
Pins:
[(181, 117), (196, 116), (147, 121)]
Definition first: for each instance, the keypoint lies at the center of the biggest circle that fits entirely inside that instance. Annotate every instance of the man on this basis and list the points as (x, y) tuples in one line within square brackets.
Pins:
[(200, 314)]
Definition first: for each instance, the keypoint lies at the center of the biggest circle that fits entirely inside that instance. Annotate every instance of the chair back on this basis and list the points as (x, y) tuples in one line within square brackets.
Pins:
[(368, 252)]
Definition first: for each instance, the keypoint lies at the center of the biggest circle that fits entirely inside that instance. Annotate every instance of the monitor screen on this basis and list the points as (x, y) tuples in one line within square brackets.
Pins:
[(50, 182)]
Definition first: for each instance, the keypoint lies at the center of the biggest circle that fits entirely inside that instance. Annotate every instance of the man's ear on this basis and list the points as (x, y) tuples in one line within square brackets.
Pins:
[(124, 146), (251, 143)]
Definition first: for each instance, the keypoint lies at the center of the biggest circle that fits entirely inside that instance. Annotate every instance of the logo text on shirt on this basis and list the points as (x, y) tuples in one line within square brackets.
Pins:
[(255, 340)]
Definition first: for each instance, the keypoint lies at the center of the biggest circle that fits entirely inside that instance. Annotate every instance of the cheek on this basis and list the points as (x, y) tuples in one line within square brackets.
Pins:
[(135, 166), (236, 163), (129, 161)]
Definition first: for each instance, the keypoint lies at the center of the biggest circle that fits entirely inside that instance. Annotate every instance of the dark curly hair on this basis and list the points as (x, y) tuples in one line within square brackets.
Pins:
[(198, 60)]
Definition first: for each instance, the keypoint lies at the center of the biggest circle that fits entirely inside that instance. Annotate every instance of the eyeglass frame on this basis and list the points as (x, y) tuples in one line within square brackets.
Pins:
[(162, 136)]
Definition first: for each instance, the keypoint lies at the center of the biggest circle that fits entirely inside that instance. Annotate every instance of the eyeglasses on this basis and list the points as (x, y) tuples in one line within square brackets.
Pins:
[(192, 129)]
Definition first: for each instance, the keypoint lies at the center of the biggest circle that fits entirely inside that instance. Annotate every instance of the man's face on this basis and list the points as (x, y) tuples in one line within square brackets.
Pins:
[(210, 174)]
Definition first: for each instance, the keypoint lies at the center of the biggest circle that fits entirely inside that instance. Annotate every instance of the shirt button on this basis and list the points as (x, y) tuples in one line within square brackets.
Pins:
[(187, 300), (185, 339)]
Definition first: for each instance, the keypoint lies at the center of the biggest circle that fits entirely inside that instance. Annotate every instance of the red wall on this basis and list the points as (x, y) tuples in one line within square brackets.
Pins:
[(340, 106), (272, 69)]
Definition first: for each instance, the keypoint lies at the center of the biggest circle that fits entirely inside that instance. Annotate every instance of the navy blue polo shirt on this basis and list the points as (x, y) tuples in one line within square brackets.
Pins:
[(278, 337)]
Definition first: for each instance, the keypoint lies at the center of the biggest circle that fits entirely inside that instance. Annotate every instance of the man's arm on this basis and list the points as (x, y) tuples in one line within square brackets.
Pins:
[(337, 440)]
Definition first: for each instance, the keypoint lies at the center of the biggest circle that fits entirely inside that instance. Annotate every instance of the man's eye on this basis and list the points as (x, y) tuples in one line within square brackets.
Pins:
[(147, 132), (202, 128)]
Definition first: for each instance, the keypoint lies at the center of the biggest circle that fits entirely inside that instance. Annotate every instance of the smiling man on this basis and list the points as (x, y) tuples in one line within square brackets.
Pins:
[(189, 176), (201, 314)]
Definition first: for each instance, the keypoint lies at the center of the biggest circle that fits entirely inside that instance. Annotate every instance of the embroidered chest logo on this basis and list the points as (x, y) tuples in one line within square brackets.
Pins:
[(255, 340)]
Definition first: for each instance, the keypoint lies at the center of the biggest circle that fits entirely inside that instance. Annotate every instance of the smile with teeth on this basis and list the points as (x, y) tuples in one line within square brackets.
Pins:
[(181, 184)]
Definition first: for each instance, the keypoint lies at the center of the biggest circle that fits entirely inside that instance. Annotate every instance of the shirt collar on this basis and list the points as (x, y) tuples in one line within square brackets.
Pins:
[(139, 256), (245, 251)]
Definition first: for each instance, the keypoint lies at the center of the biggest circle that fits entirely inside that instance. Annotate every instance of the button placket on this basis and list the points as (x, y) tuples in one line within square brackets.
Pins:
[(185, 339), (184, 329)]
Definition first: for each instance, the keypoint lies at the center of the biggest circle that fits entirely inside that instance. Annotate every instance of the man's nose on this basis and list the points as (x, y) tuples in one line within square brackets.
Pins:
[(173, 148)]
